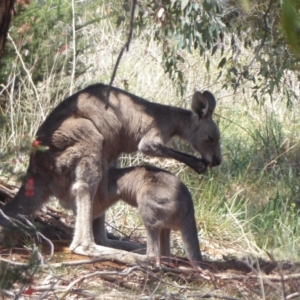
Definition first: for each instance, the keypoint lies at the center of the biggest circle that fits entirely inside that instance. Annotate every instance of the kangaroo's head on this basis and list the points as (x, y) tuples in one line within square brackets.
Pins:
[(205, 133)]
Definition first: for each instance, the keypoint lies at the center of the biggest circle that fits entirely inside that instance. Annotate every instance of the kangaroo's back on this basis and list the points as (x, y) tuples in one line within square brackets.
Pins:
[(122, 124), (152, 189)]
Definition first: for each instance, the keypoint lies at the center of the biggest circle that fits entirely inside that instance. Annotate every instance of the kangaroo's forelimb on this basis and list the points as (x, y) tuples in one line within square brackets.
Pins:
[(159, 150)]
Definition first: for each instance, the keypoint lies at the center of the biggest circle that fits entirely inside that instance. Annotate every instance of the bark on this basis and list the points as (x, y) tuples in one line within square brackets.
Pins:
[(6, 11)]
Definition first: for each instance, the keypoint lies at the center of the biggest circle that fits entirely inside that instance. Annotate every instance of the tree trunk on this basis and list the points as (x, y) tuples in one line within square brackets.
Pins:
[(6, 10)]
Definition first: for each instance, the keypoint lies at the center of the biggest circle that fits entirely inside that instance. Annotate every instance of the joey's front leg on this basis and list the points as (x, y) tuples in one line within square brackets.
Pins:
[(155, 148)]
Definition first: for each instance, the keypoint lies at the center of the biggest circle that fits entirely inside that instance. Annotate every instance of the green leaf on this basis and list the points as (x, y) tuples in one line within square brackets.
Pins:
[(120, 20), (207, 64), (245, 5), (290, 23), (222, 62), (215, 48), (184, 4)]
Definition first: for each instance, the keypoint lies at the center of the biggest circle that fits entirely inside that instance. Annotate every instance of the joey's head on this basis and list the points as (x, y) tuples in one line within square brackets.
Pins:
[(205, 134)]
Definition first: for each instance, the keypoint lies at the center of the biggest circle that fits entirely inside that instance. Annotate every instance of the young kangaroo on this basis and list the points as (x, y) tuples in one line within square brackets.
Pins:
[(83, 137), (163, 202)]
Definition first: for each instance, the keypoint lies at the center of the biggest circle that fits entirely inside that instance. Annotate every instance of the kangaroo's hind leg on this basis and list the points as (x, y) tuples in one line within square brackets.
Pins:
[(153, 244), (165, 249), (101, 238), (89, 175)]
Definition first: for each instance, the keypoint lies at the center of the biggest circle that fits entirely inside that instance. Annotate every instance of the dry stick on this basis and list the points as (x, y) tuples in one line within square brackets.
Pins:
[(51, 246), (278, 156), (262, 41), (7, 293), (203, 274), (40, 235), (29, 76), (261, 278), (292, 296), (210, 295), (68, 289), (206, 276), (12, 111), (283, 284), (219, 276), (126, 46), (46, 293)]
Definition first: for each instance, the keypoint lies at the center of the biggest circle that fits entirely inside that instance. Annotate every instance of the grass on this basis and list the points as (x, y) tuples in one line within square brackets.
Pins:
[(250, 204)]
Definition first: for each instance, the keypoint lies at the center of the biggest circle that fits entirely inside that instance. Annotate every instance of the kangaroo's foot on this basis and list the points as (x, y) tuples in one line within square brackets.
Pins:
[(106, 253)]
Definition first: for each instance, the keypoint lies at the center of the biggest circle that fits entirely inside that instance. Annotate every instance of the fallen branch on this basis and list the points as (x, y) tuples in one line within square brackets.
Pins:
[(292, 296)]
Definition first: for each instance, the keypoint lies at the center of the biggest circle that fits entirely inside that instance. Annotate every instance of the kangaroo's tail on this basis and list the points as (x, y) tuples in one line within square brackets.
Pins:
[(190, 240), (28, 199)]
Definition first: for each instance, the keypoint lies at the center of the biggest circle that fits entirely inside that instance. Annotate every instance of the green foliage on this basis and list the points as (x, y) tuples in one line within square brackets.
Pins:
[(43, 35), (291, 23), (182, 25), (227, 29), (260, 31)]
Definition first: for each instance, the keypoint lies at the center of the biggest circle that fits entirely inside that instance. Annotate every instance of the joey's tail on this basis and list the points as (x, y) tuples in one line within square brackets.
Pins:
[(190, 240)]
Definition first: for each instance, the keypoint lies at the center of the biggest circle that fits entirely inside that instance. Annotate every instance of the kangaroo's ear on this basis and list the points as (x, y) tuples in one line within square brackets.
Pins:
[(203, 104)]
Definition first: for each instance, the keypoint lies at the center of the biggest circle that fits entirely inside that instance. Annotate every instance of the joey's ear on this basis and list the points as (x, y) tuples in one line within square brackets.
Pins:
[(203, 104)]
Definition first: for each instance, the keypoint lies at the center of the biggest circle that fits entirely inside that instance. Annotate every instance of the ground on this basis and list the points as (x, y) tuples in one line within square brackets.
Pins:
[(55, 273)]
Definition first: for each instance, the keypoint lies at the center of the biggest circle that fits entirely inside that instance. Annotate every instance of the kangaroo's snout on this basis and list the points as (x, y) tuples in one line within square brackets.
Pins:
[(212, 161), (216, 162)]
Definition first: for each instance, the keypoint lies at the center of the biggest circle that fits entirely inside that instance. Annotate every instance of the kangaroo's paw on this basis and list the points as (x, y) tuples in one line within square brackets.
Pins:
[(89, 250), (199, 166), (105, 253)]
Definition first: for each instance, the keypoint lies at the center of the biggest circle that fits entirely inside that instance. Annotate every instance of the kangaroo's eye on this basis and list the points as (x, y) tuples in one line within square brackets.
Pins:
[(210, 139)]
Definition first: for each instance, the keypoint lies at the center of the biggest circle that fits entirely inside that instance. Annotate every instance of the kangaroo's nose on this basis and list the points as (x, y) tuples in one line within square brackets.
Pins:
[(217, 161)]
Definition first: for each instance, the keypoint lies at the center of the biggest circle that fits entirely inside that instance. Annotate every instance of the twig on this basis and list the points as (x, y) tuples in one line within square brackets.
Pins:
[(5, 192), (125, 46), (29, 76), (210, 295), (98, 273), (278, 156), (7, 293), (76, 262), (14, 223), (12, 111), (74, 47), (51, 246), (14, 263), (292, 296)]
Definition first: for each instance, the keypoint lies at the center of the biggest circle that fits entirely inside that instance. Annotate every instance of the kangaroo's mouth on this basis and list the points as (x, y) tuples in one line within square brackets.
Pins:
[(206, 162), (211, 164)]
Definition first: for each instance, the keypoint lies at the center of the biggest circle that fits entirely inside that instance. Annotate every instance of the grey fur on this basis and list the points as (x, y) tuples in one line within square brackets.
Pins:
[(163, 202)]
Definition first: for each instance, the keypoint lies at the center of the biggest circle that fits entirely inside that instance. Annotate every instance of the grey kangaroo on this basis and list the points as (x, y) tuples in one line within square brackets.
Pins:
[(83, 137), (163, 202)]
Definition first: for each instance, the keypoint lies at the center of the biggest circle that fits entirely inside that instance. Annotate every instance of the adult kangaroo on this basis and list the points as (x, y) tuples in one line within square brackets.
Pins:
[(83, 137), (164, 204)]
